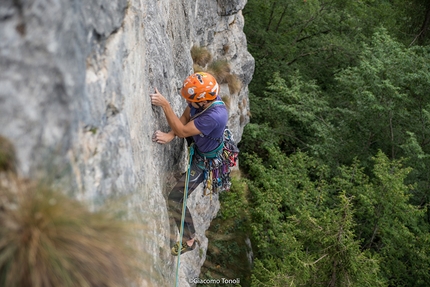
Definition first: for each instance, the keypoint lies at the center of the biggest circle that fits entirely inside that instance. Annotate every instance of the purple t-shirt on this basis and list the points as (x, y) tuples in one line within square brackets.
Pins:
[(211, 123)]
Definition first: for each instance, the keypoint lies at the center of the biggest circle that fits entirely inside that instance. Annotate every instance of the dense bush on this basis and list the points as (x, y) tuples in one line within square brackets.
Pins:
[(336, 156)]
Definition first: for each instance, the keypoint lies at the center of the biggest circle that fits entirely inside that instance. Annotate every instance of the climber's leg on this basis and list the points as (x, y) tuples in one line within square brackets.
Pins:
[(176, 198)]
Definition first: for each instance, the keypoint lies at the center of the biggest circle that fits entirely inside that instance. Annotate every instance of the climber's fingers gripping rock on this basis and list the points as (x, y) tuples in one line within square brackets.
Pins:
[(162, 138), (158, 99)]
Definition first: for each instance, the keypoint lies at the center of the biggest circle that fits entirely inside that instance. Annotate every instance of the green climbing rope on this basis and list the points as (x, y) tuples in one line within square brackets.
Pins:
[(184, 206)]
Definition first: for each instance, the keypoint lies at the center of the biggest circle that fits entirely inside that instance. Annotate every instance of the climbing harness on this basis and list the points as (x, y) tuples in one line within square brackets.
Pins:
[(217, 165), (184, 205)]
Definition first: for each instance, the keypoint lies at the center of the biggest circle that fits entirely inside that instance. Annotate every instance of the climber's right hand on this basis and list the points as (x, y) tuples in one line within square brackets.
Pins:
[(162, 138), (158, 99)]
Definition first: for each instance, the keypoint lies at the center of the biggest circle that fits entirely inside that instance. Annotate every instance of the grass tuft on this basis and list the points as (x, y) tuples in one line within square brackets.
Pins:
[(220, 69), (7, 156), (49, 239), (201, 56), (227, 101), (234, 83), (197, 68), (225, 48)]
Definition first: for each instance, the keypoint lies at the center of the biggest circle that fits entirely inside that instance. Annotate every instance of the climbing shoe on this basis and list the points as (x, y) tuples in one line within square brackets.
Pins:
[(184, 247)]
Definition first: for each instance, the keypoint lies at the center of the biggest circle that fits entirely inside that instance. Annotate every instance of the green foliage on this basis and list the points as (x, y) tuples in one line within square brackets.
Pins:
[(383, 104), (346, 82), (306, 35), (387, 224), (311, 229), (412, 18), (228, 250), (292, 115), (303, 227)]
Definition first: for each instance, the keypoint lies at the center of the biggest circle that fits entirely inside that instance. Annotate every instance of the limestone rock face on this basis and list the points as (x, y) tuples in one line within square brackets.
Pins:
[(75, 79)]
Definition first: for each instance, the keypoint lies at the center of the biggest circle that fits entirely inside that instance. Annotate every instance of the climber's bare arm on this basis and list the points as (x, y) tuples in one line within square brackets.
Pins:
[(164, 138), (180, 126)]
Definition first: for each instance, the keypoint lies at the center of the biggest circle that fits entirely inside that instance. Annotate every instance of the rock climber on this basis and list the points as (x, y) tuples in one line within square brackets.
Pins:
[(200, 90)]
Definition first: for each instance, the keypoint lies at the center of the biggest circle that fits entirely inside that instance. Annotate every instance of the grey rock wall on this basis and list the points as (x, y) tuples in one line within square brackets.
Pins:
[(75, 79)]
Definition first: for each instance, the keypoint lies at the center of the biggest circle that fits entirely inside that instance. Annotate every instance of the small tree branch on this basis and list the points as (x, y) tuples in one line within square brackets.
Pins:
[(281, 18), (272, 12)]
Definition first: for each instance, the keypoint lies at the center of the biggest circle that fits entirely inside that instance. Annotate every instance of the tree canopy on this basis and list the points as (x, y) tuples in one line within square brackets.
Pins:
[(336, 157), (335, 162)]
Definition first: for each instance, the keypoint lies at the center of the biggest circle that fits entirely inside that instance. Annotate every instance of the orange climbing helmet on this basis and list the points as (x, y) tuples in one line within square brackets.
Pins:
[(200, 87)]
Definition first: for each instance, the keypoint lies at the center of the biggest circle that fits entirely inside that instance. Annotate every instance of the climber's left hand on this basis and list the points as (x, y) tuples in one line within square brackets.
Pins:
[(158, 99), (162, 138)]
